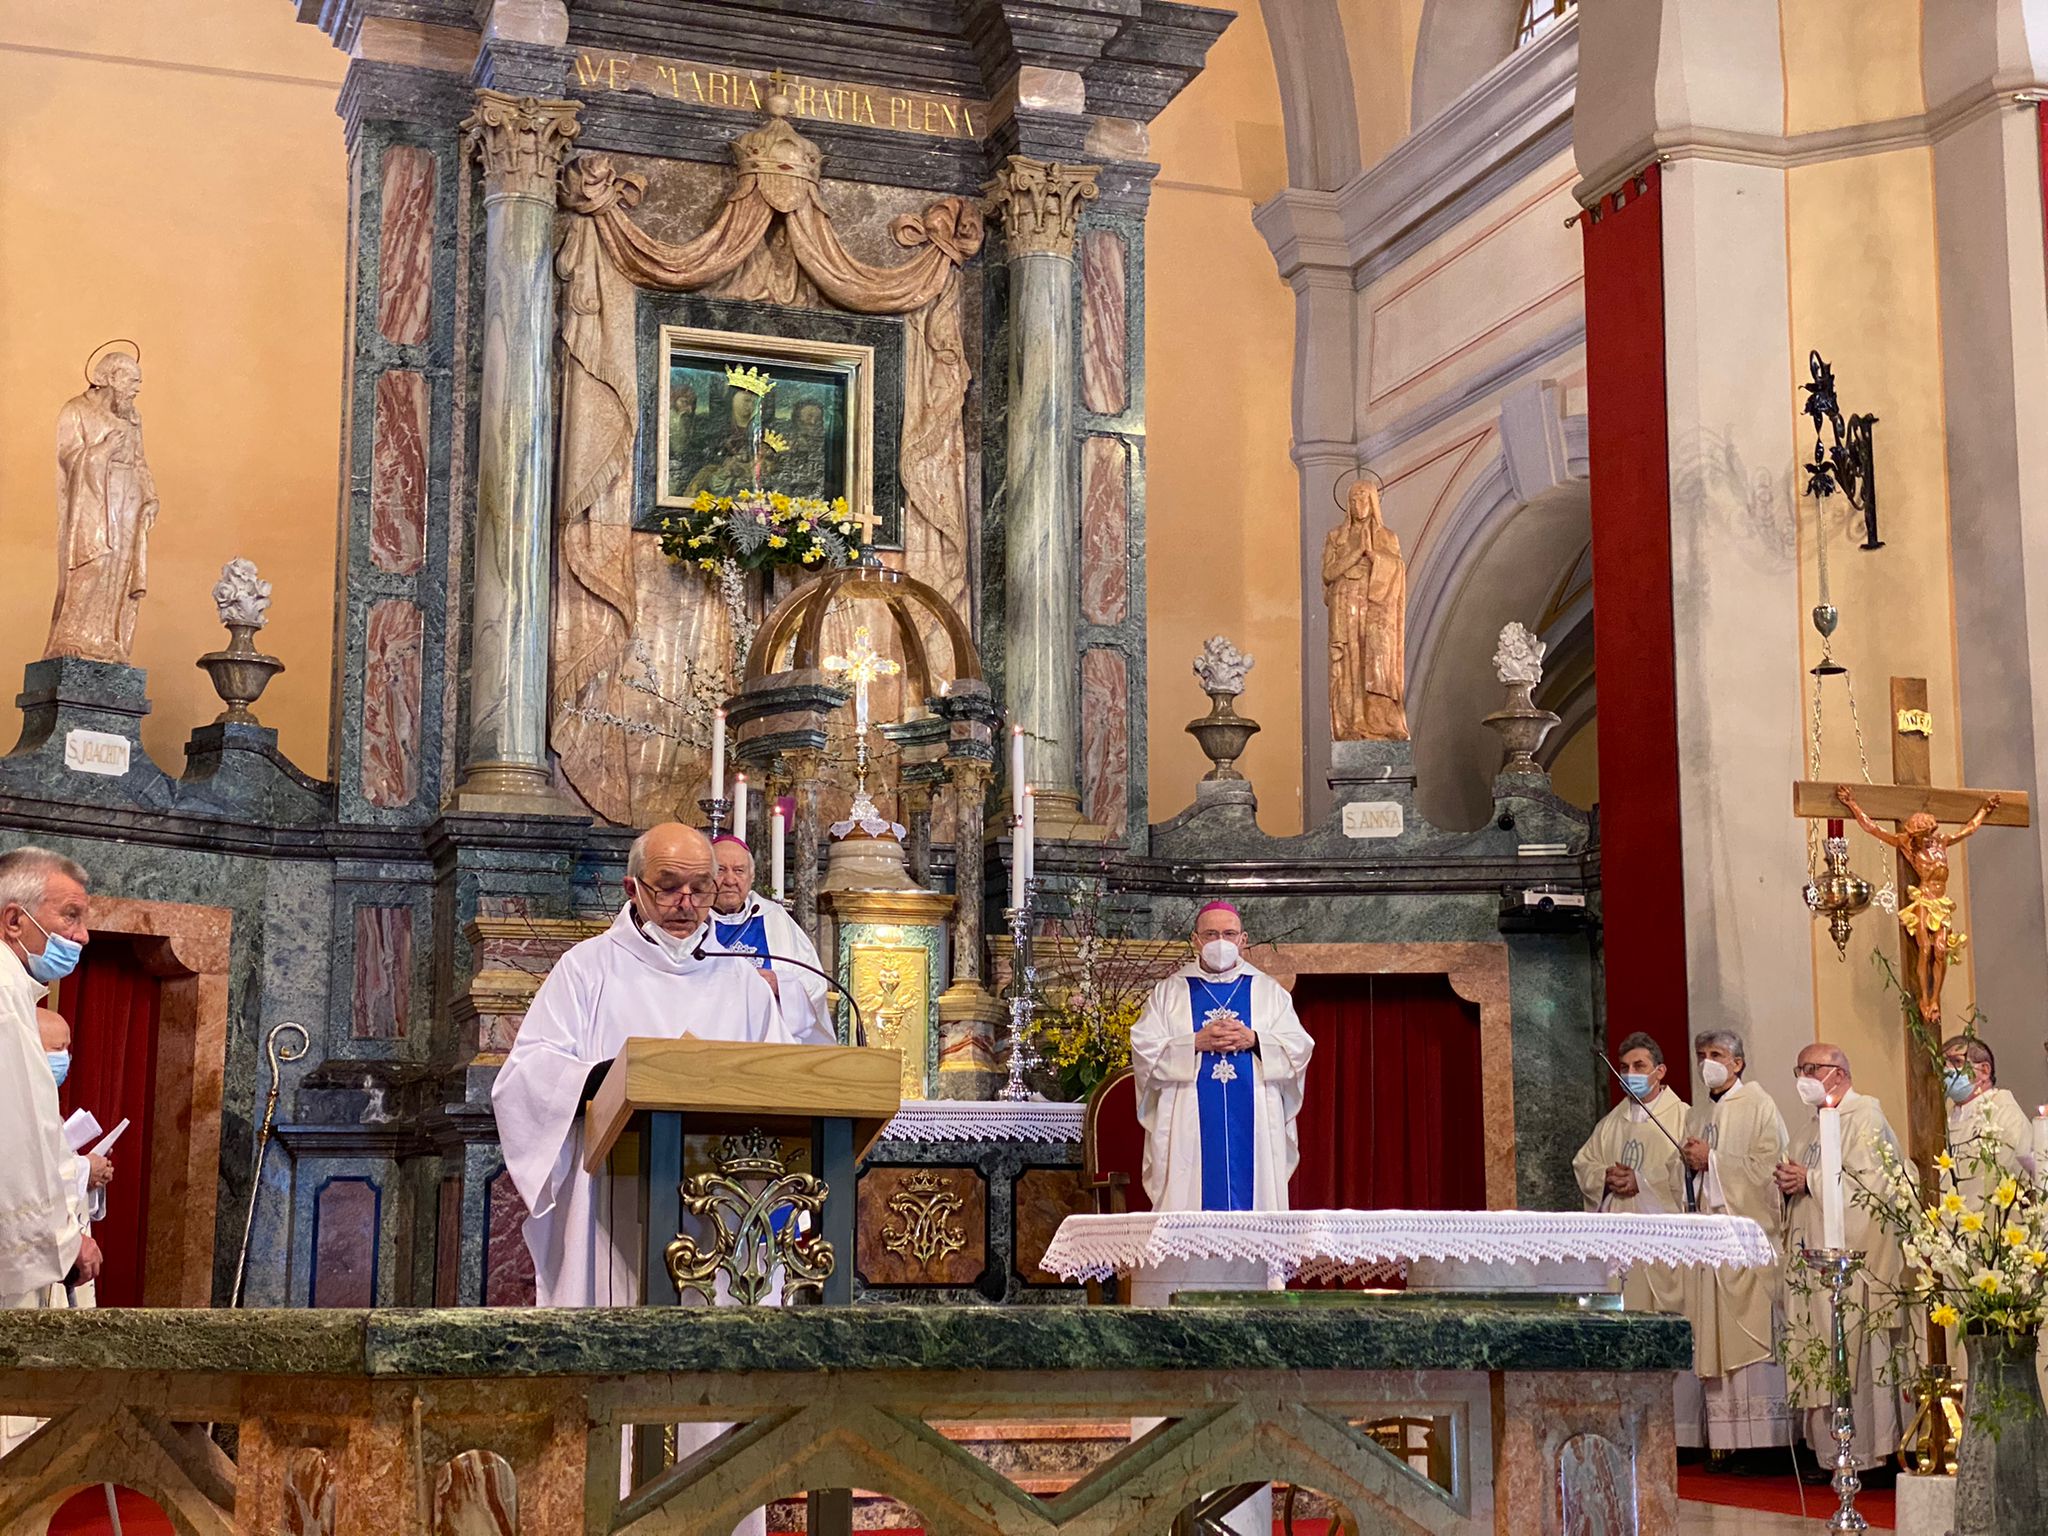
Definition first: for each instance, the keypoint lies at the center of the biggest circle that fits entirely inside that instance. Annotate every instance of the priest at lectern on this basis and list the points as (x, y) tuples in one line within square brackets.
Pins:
[(640, 977)]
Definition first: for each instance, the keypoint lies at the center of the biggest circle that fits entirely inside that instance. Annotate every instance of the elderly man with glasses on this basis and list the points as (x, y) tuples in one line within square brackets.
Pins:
[(647, 974)]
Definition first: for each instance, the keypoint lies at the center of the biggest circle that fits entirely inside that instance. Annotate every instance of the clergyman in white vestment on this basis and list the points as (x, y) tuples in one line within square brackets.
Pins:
[(745, 922), (1220, 1061), (1630, 1165), (1878, 1345), (43, 1243), (1734, 1398)]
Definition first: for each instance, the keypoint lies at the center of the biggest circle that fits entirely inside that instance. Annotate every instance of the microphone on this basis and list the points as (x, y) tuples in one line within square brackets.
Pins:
[(860, 1028), (1692, 1199)]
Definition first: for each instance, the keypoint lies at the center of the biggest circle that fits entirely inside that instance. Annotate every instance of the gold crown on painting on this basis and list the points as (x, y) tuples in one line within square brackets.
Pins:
[(752, 380), (776, 441)]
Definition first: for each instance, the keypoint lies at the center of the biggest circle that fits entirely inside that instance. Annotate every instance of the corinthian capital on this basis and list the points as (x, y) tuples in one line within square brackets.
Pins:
[(521, 141), (1040, 203)]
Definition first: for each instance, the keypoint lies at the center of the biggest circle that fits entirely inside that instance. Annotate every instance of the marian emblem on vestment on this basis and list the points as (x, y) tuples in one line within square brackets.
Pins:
[(1224, 1071), (1223, 1015)]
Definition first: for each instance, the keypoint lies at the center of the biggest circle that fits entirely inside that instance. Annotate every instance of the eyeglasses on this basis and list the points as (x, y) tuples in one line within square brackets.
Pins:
[(696, 893), (1814, 1068)]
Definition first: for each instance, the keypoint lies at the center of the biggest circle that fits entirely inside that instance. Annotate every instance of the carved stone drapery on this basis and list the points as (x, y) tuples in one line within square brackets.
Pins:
[(622, 744)]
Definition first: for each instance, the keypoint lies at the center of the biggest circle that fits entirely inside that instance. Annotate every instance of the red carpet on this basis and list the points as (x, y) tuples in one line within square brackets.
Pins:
[(1780, 1496), (85, 1514)]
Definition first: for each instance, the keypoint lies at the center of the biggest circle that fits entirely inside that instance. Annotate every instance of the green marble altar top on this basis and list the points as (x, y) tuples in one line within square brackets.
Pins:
[(1395, 1334)]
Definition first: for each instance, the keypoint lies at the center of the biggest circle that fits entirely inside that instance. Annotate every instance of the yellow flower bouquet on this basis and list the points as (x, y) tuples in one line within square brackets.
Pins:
[(759, 530)]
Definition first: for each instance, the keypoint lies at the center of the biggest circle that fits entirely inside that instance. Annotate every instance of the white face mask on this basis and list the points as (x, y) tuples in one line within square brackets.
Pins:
[(1810, 1090), (1713, 1074), (668, 943), (1219, 955)]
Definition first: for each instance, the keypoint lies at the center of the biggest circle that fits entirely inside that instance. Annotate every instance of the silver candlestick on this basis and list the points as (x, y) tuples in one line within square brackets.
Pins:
[(1024, 1057), (1836, 1266), (716, 810)]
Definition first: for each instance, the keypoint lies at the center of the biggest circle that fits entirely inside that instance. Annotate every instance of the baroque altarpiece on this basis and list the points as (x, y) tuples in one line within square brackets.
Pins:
[(593, 269)]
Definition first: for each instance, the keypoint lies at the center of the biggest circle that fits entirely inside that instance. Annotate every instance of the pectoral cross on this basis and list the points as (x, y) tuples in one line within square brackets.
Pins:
[(1928, 938), (862, 664)]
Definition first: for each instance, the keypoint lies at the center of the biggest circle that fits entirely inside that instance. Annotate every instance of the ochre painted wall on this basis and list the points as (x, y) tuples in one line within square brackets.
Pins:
[(1864, 295), (1849, 61), (1222, 537), (173, 171)]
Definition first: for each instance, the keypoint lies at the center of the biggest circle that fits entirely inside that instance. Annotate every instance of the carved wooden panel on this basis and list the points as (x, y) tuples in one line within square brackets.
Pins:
[(922, 1226)]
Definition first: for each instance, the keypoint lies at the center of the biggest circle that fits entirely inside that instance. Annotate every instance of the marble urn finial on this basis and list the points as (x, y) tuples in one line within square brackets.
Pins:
[(1222, 667), (241, 672), (1222, 733), (1521, 726), (242, 596)]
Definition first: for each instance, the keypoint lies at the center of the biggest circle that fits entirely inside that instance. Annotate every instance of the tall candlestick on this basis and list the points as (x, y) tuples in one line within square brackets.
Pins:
[(718, 754), (1831, 1228), (778, 830), (1028, 856), (739, 809), (1016, 773)]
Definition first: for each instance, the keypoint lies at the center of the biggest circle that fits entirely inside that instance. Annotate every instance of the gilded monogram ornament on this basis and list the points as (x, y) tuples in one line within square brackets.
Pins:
[(926, 1206), (751, 1186)]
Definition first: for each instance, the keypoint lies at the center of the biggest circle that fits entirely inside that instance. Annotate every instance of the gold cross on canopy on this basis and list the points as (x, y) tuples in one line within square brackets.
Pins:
[(862, 664)]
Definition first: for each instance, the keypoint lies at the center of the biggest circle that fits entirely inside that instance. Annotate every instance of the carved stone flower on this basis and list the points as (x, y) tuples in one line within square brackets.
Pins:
[(242, 596), (1519, 656), (1222, 667)]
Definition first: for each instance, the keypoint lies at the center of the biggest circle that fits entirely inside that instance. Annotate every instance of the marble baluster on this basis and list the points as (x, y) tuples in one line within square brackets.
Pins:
[(521, 142), (1040, 203)]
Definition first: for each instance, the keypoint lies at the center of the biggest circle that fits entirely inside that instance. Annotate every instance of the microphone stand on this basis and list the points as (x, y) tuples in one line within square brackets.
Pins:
[(860, 1028), (1692, 1199)]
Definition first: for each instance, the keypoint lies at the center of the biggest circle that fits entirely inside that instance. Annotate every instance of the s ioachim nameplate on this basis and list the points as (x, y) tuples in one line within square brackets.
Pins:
[(96, 752), (1373, 818)]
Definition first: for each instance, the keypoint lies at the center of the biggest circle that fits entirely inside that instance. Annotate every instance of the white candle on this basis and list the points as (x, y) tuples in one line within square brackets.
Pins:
[(1017, 864), (718, 754), (2041, 1144), (1029, 854), (778, 830), (1832, 1235), (1016, 773), (739, 808)]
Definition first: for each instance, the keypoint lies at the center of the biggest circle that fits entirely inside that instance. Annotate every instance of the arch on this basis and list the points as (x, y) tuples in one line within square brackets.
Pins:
[(1317, 104), (1459, 42), (1500, 557), (798, 621)]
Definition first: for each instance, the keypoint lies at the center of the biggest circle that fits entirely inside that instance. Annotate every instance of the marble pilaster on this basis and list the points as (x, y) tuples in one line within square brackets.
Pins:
[(1040, 203), (968, 1014), (801, 856), (521, 142)]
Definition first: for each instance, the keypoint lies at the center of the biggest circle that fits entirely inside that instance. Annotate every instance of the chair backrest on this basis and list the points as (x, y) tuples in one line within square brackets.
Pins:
[(1112, 1140)]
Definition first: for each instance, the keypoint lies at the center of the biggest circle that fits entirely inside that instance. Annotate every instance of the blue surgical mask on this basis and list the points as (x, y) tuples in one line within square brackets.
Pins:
[(1638, 1083), (1960, 1084), (60, 1065), (58, 959)]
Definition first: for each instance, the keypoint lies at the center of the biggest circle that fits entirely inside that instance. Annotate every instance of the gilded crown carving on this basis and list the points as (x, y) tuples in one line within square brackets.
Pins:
[(521, 141), (1040, 203)]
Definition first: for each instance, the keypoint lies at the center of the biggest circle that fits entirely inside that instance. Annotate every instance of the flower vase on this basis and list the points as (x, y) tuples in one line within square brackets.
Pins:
[(2002, 1460)]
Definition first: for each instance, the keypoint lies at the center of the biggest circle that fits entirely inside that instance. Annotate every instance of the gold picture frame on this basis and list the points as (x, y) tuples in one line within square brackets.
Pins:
[(821, 405)]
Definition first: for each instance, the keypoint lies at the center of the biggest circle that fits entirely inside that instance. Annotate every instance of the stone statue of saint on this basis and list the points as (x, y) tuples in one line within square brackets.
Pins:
[(106, 505), (1365, 586)]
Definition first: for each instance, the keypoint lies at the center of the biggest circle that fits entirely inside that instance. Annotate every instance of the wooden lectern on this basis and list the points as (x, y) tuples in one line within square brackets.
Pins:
[(659, 1091)]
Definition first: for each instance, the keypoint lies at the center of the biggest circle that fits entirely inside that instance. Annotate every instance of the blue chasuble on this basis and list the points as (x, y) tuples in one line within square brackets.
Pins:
[(1223, 1095), (748, 938)]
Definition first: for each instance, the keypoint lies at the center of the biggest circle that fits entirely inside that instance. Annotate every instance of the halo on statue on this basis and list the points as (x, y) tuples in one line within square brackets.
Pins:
[(92, 360), (1337, 490)]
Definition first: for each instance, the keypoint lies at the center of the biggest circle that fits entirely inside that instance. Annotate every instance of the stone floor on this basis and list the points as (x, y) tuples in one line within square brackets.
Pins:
[(1719, 1520)]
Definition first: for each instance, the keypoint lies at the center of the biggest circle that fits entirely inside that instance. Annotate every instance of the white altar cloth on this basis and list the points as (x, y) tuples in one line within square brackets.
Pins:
[(1357, 1245), (986, 1120)]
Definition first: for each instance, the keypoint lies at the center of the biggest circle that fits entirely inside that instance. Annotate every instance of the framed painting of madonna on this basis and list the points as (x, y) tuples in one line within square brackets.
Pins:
[(788, 400)]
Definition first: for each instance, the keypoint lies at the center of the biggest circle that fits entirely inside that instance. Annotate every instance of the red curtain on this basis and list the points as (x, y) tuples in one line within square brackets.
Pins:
[(1642, 888), (112, 1003), (1391, 1116)]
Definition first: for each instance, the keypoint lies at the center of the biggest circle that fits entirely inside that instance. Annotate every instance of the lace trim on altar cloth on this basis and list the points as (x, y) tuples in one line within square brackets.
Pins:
[(1363, 1245), (985, 1120)]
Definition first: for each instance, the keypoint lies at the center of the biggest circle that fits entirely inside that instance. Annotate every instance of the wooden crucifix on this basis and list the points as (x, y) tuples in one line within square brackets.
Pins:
[(1927, 934)]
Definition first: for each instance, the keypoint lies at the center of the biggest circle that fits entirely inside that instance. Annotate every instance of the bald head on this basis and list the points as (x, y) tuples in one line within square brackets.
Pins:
[(735, 874), (1827, 1065), (670, 877)]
